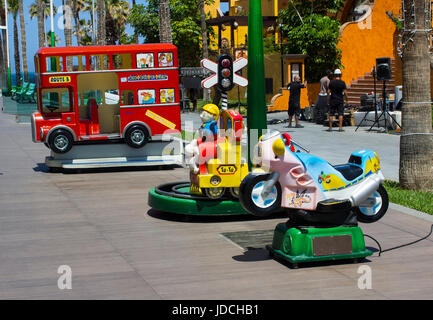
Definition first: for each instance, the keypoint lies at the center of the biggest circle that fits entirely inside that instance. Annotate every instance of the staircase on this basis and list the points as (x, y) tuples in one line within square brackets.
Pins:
[(365, 84)]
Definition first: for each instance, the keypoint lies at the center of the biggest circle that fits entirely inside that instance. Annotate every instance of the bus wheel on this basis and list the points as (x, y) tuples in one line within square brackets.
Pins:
[(61, 141), (136, 136)]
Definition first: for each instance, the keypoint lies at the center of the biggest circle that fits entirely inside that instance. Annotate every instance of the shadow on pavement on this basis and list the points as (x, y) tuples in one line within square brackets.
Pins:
[(170, 216), (42, 167)]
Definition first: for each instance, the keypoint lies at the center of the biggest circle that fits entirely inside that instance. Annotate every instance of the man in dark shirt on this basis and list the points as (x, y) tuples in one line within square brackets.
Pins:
[(295, 100), (336, 99)]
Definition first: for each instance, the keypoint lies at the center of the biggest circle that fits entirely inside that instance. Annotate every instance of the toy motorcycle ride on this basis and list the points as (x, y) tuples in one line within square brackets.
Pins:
[(323, 202), (320, 192)]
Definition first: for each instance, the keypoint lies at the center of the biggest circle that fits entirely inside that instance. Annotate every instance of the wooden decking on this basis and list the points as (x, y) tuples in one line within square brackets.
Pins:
[(100, 225)]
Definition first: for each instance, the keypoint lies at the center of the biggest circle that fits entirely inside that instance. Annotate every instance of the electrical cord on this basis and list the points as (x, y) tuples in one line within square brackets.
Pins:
[(400, 246)]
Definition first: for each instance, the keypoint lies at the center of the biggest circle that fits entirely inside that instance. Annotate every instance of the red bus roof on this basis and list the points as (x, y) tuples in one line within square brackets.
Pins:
[(82, 50)]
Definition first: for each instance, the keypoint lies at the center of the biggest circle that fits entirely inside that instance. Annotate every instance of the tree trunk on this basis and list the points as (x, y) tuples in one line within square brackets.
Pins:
[(416, 141), (205, 52), (23, 41), (68, 31), (41, 32), (17, 53), (101, 22), (76, 14), (3, 58), (164, 22), (135, 31)]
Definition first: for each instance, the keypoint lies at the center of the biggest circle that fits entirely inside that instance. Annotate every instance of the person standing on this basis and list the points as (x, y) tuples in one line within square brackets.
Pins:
[(336, 94), (322, 99), (295, 100)]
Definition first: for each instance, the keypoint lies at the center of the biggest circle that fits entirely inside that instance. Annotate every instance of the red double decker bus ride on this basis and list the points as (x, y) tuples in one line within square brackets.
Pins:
[(102, 93)]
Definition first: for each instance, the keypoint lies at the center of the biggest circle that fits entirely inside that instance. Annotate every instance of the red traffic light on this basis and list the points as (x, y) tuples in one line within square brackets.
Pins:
[(225, 63)]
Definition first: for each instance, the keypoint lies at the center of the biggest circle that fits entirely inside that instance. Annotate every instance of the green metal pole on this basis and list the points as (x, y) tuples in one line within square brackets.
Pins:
[(53, 44), (256, 121), (9, 80)]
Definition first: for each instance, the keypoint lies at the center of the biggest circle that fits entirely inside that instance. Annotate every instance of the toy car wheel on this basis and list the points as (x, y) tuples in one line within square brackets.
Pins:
[(137, 136), (254, 201), (234, 192), (214, 193), (377, 206), (61, 141)]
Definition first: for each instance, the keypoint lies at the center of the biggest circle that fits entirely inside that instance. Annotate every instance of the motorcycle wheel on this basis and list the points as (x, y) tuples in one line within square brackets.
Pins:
[(374, 212), (252, 199)]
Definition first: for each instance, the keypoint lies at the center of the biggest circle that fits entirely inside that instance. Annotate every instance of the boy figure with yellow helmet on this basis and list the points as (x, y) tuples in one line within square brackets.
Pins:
[(209, 117)]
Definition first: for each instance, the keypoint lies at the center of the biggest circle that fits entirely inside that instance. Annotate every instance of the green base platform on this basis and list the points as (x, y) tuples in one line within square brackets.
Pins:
[(307, 244), (175, 198)]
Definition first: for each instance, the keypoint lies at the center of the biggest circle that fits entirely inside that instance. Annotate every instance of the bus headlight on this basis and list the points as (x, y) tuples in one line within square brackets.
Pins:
[(215, 180)]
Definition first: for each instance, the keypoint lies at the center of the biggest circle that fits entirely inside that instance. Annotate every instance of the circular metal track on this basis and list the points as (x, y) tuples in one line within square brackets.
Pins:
[(175, 197)]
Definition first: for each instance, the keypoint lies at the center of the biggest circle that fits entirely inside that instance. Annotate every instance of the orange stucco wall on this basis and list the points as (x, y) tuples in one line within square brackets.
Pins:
[(364, 41), (308, 97)]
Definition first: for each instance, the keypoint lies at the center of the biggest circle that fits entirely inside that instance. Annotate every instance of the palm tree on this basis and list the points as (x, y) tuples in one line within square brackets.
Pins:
[(89, 8), (68, 31), (100, 11), (23, 40), (416, 141), (41, 9), (164, 22), (117, 13), (13, 8), (33, 8), (77, 6)]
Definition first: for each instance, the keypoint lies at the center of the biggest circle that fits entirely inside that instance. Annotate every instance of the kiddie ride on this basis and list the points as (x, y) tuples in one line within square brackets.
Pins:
[(108, 106), (214, 158), (324, 202), (216, 169)]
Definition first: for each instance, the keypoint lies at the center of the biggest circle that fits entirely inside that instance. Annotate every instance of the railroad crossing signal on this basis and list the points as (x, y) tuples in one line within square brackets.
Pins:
[(225, 73)]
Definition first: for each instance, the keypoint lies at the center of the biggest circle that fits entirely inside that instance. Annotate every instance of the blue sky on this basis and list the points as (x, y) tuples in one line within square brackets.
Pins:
[(32, 35)]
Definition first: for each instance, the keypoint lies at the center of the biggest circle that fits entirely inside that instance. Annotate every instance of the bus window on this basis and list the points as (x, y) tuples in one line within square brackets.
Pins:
[(112, 96), (54, 64), (122, 61), (56, 100), (100, 62), (146, 96), (127, 97), (165, 59), (90, 94), (76, 63), (166, 95), (145, 60)]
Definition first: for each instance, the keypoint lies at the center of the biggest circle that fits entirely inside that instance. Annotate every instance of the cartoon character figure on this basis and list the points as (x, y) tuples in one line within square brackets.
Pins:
[(208, 133), (142, 63), (209, 117), (169, 60), (146, 97), (170, 97), (162, 96), (162, 60)]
